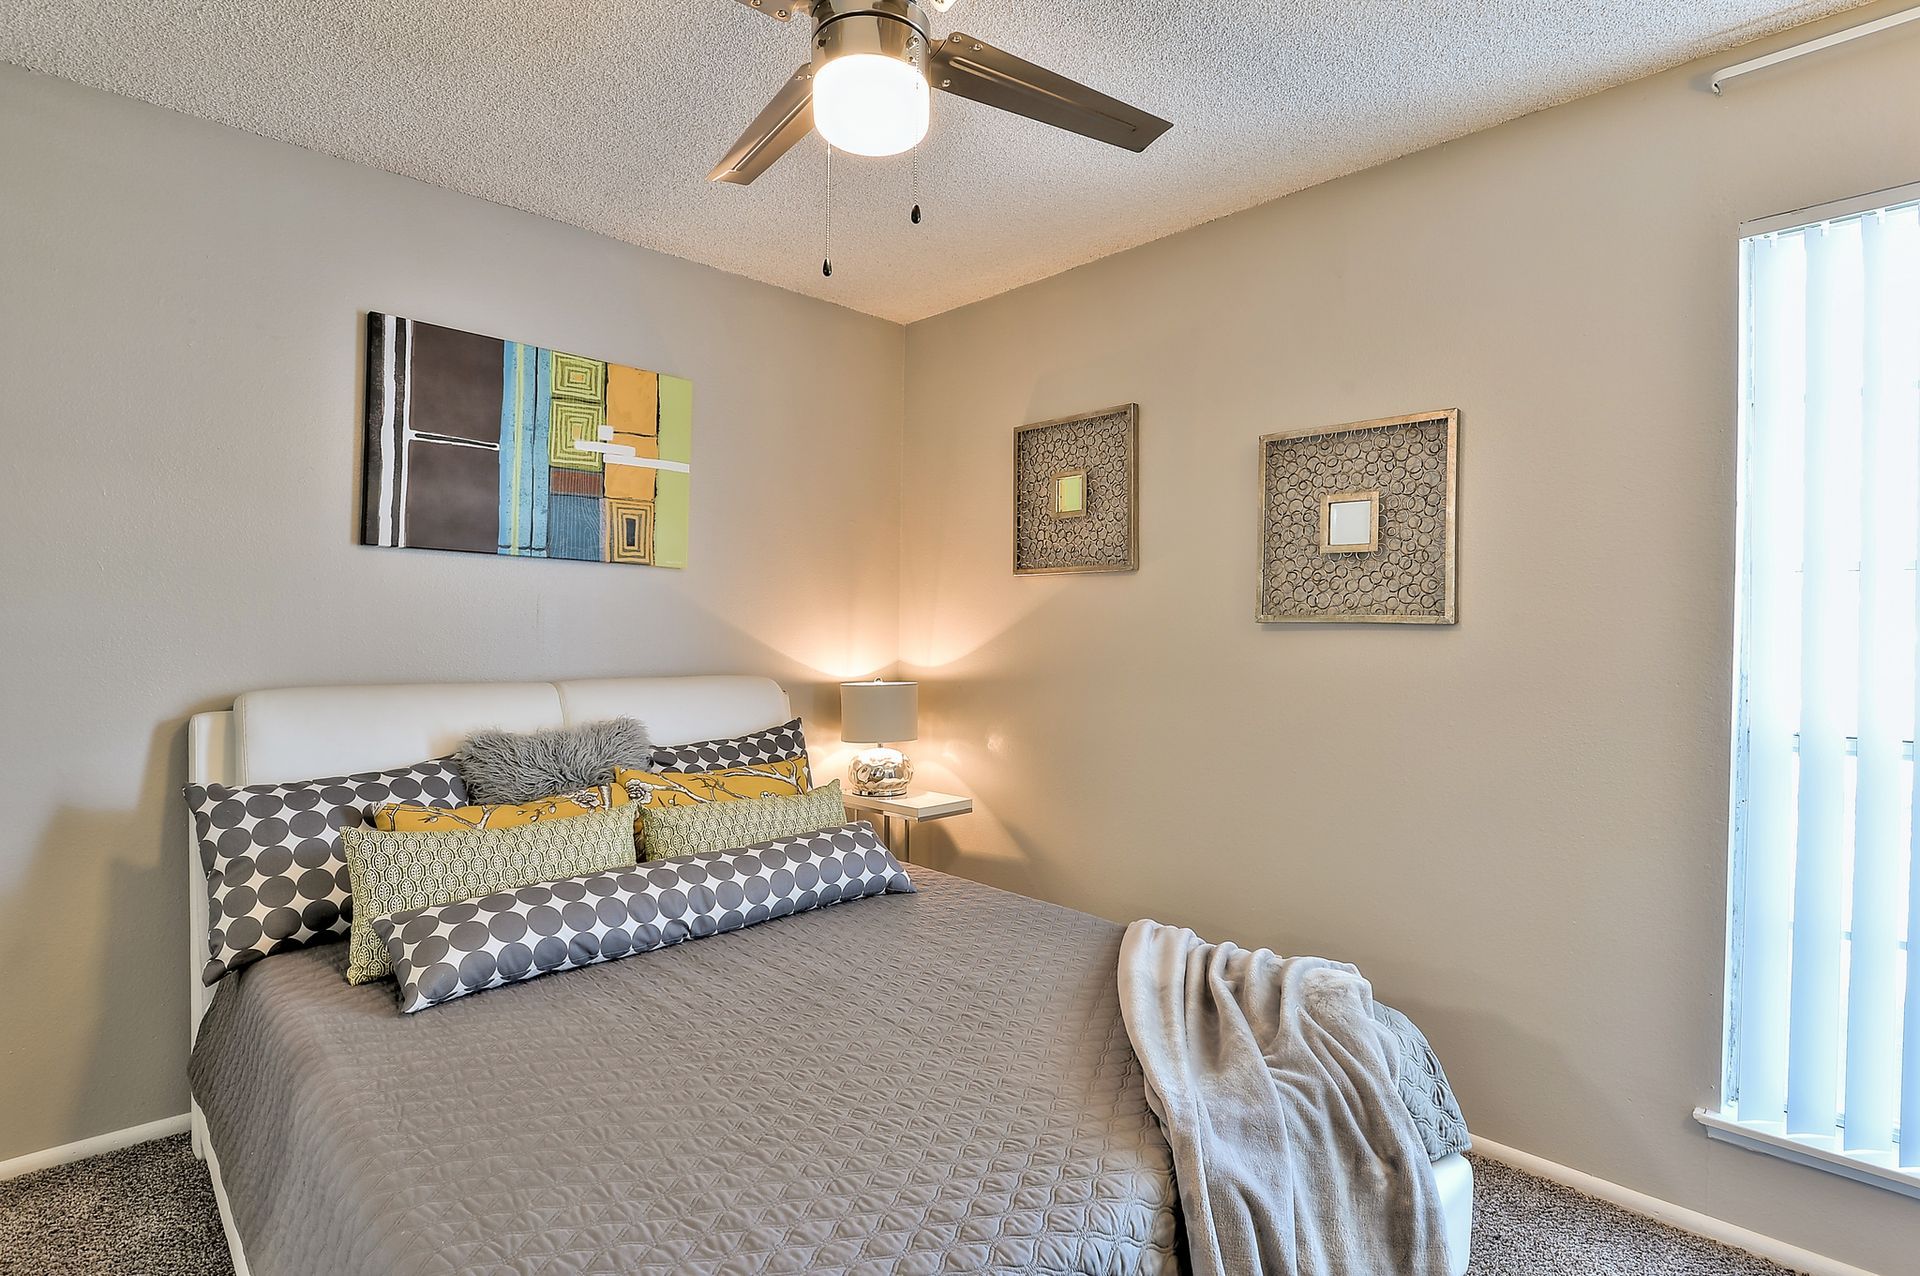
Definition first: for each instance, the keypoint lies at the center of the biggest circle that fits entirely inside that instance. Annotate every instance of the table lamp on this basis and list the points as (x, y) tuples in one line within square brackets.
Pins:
[(879, 714)]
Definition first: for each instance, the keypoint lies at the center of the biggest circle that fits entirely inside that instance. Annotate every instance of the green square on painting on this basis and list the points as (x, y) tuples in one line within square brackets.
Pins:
[(1070, 494), (570, 424), (578, 378)]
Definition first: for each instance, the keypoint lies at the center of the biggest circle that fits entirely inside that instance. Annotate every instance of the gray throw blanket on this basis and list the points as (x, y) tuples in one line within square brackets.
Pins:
[(1294, 1154)]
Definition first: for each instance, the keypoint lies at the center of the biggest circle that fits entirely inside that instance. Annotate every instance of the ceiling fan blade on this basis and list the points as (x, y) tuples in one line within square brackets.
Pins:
[(784, 9), (974, 69), (784, 121)]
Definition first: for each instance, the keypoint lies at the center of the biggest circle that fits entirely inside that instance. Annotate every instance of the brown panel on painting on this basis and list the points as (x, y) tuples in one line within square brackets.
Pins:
[(456, 386), (453, 497), (575, 482)]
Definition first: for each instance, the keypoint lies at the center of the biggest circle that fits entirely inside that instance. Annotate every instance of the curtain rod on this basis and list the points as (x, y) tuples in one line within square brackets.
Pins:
[(1875, 27)]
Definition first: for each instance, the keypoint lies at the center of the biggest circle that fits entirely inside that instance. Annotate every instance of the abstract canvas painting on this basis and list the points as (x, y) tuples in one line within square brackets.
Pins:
[(498, 447)]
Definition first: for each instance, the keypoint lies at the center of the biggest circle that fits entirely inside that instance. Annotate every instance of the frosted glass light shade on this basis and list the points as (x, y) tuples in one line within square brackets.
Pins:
[(871, 104), (879, 712)]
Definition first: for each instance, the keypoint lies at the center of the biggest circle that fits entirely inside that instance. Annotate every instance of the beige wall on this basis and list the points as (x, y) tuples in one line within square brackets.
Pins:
[(181, 320), (1516, 826)]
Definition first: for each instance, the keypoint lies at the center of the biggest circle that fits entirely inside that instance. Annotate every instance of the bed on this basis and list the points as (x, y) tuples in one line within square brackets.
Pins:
[(936, 1082)]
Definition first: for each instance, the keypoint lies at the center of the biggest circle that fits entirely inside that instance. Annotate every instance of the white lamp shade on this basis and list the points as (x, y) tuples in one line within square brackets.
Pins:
[(879, 712)]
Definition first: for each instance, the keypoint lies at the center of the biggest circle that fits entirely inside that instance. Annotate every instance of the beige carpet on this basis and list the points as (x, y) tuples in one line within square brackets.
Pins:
[(1524, 1226), (148, 1211)]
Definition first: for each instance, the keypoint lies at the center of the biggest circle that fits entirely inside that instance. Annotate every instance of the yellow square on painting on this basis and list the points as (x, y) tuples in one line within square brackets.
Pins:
[(633, 482), (633, 401)]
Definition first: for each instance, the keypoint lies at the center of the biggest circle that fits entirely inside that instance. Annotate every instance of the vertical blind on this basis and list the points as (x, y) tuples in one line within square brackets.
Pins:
[(1824, 974)]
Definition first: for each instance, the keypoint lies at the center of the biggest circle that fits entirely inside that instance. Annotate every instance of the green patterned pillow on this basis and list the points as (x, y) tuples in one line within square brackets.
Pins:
[(673, 831), (393, 872)]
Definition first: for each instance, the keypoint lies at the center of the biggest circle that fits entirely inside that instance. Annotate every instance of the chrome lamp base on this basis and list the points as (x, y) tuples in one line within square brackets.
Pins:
[(880, 772)]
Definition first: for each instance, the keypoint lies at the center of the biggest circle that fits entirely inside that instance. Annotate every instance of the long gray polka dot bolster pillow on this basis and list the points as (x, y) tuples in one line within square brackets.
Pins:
[(450, 950)]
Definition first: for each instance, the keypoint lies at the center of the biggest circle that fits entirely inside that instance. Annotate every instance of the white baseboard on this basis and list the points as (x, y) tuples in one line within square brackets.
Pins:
[(112, 1141), (1713, 1229)]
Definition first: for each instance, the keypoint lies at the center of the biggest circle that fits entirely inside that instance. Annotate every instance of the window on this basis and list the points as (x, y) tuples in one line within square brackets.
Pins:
[(1823, 1026)]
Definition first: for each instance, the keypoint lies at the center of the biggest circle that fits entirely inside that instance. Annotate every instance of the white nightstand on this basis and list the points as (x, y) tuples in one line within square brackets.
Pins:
[(909, 809)]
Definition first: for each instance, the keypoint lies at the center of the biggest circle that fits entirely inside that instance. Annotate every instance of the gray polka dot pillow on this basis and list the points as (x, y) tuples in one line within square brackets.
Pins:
[(276, 875), (775, 744), (450, 950)]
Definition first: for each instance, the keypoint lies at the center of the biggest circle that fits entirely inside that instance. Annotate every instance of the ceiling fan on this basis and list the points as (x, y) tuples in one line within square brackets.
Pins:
[(868, 85)]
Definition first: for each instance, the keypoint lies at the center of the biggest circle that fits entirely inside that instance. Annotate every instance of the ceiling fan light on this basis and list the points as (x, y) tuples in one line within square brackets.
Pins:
[(871, 104)]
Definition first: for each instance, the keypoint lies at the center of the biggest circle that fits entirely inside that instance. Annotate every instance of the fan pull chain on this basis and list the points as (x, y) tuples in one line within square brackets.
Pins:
[(826, 234), (913, 182)]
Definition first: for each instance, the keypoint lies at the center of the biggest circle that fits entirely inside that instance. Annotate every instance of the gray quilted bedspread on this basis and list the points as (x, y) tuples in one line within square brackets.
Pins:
[(902, 1085), (937, 1082), (1422, 1086)]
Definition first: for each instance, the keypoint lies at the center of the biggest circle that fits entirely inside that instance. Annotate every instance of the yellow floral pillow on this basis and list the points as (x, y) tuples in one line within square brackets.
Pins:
[(655, 789), (729, 784), (402, 817)]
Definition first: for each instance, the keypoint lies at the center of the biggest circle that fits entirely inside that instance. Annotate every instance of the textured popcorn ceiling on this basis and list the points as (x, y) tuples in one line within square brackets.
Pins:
[(610, 115)]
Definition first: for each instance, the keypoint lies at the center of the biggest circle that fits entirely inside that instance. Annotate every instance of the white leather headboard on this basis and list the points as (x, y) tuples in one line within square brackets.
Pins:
[(299, 733)]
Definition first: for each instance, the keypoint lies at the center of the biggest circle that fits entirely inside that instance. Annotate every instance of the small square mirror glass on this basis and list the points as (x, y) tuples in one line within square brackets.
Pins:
[(1070, 494), (1350, 523)]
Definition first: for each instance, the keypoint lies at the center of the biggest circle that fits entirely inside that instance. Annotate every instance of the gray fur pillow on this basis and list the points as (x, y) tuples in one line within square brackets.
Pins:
[(524, 766)]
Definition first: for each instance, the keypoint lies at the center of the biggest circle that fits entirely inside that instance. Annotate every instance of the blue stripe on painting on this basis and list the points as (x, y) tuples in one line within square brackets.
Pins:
[(523, 451), (538, 478), (575, 528), (516, 402)]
